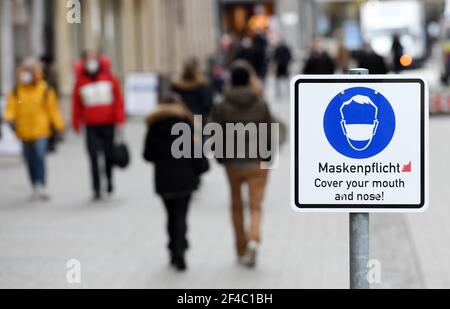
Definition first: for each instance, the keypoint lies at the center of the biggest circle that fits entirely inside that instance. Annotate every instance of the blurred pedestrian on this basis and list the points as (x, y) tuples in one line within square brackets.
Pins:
[(193, 89), (98, 104), (242, 104), (319, 61), (255, 83), (218, 64), (50, 72), (245, 51), (51, 77), (217, 74), (397, 53), (33, 113), (259, 60), (370, 60), (282, 59), (175, 179), (232, 48)]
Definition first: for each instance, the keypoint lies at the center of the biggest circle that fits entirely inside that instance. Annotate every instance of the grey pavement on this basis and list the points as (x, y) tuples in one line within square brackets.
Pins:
[(121, 243)]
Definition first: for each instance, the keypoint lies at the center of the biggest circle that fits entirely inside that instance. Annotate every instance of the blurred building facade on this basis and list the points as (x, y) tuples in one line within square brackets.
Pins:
[(155, 35), (138, 35), (23, 28)]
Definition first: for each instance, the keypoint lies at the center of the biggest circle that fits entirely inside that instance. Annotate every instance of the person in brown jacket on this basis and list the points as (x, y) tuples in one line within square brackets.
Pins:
[(243, 104)]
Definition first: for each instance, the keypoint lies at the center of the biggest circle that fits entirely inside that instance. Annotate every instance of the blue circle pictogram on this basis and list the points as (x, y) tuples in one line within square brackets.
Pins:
[(359, 123)]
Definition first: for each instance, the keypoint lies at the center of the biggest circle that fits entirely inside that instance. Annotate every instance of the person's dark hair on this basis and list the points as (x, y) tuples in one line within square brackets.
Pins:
[(84, 54), (240, 76), (46, 59), (190, 69)]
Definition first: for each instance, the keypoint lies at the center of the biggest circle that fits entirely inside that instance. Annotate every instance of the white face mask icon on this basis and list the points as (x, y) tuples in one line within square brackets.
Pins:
[(360, 133)]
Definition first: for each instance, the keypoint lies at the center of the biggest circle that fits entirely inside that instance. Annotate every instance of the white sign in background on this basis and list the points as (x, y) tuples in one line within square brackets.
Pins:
[(9, 145), (350, 192), (141, 93)]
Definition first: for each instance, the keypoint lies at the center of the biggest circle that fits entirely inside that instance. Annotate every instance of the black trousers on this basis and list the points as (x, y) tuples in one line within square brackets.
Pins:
[(177, 211), (100, 139)]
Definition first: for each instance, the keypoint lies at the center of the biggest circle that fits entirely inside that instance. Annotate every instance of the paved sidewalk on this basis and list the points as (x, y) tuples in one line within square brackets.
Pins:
[(121, 243)]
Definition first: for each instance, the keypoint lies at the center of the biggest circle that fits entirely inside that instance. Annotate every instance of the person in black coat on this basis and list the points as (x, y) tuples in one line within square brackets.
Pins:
[(259, 60), (370, 60), (282, 58), (319, 62), (175, 179), (245, 51), (193, 89), (397, 53)]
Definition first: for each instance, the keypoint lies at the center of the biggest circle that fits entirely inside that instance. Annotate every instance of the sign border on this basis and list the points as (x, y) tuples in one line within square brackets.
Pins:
[(365, 208)]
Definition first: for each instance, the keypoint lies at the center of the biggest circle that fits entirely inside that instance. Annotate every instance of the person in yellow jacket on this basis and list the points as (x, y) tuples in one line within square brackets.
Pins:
[(33, 113)]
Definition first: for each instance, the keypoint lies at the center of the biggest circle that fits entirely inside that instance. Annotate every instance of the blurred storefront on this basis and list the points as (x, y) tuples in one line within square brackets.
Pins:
[(291, 20), (245, 18)]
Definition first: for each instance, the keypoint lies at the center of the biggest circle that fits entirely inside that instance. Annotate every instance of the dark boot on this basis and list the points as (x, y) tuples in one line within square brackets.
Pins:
[(179, 263), (110, 189), (97, 197)]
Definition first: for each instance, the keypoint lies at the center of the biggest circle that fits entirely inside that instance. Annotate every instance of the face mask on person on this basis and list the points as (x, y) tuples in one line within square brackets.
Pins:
[(359, 133), (26, 78), (92, 66)]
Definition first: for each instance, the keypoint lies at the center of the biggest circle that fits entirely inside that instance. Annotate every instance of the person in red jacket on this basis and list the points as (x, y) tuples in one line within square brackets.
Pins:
[(98, 104)]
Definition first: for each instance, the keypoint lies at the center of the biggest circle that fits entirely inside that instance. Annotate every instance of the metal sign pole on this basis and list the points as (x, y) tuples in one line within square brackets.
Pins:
[(359, 237)]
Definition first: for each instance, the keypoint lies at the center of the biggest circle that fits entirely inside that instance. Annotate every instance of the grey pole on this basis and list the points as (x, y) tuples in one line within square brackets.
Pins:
[(359, 237), (359, 250)]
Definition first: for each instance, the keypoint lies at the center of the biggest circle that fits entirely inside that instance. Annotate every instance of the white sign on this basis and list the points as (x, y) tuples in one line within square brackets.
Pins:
[(9, 145), (141, 93), (359, 144)]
